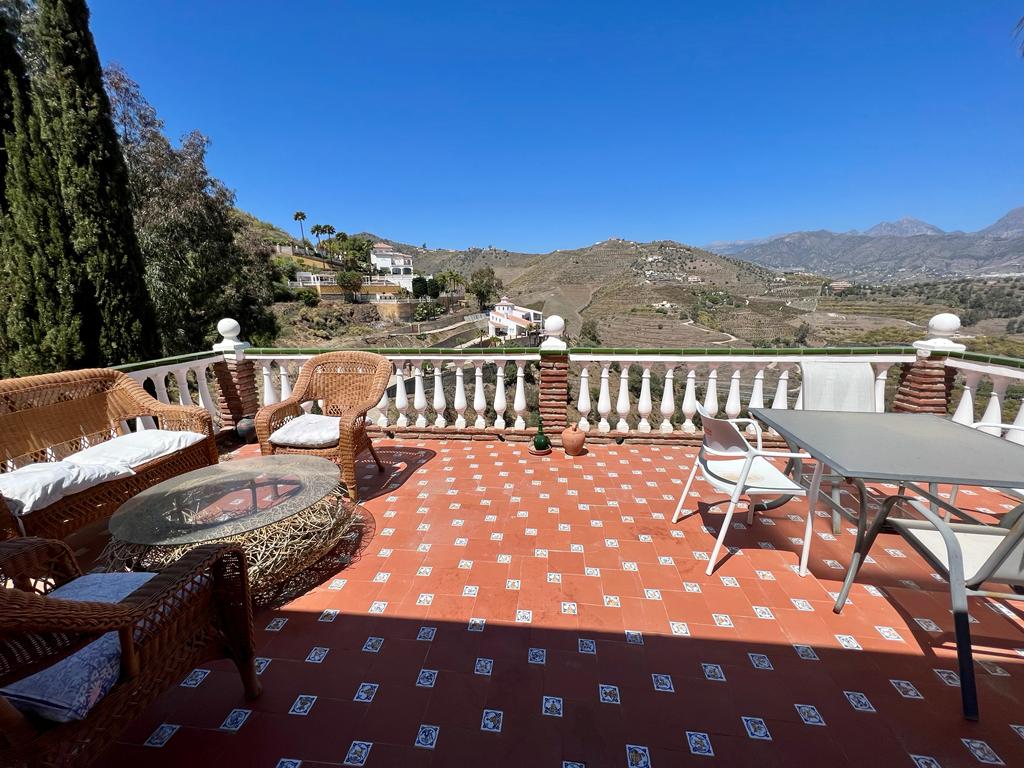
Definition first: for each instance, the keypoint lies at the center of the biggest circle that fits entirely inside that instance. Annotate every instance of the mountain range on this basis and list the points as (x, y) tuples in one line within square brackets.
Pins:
[(907, 249)]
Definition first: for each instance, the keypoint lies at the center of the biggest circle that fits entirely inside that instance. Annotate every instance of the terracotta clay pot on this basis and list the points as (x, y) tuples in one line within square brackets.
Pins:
[(572, 440)]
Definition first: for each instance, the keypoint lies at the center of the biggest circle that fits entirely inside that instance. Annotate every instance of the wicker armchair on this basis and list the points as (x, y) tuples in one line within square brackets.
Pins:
[(56, 414), (349, 384), (196, 609)]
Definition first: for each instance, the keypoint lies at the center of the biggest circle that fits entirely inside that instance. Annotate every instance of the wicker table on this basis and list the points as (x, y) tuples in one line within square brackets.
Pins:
[(285, 511)]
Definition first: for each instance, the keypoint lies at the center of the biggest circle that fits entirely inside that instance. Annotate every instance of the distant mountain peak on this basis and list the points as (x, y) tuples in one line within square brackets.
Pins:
[(1011, 225), (908, 226)]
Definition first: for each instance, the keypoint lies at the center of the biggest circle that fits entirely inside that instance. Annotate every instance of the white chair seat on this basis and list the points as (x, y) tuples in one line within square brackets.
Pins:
[(137, 448), (310, 430), (764, 477), (976, 547)]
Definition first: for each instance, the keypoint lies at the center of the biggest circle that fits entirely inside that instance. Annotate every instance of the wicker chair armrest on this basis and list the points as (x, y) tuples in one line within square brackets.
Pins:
[(29, 612), (269, 418), (9, 527), (25, 560)]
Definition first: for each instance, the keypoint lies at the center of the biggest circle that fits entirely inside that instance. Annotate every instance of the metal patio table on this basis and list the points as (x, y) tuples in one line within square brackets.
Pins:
[(908, 449)]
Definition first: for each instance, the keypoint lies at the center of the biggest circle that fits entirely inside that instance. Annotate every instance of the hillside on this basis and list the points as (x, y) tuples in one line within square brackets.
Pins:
[(905, 250)]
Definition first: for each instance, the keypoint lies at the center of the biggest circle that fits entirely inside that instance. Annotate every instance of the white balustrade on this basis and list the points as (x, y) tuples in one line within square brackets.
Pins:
[(604, 401), (668, 399), (732, 402), (181, 375), (419, 400), (622, 403), (499, 396), (479, 397), (460, 397), (584, 400), (401, 396), (439, 401), (756, 395), (711, 393), (996, 409), (519, 402), (690, 401)]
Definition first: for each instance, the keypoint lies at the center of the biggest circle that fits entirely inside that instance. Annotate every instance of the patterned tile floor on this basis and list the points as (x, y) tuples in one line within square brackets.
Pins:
[(515, 610)]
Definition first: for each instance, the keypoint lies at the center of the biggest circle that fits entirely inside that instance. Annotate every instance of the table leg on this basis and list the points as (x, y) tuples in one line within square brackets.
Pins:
[(836, 493), (812, 505)]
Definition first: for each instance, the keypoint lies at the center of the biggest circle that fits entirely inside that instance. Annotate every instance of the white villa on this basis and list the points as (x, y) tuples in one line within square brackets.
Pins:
[(394, 266), (510, 321)]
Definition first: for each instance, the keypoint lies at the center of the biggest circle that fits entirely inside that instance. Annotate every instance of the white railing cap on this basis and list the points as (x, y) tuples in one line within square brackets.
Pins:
[(230, 343), (941, 330), (554, 326)]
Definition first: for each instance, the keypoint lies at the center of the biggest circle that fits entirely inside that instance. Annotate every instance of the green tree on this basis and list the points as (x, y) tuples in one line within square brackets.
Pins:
[(203, 261), (43, 297), (484, 285), (75, 118), (349, 280), (419, 287), (300, 216), (589, 335)]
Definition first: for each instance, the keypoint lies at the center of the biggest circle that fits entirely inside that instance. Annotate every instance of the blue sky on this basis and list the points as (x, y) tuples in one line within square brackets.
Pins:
[(540, 125)]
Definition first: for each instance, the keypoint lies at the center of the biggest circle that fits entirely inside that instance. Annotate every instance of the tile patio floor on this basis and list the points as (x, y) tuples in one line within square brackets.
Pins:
[(556, 593)]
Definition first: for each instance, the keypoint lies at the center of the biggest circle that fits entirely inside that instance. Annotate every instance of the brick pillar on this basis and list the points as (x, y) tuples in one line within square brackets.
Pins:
[(925, 386), (553, 391), (236, 380)]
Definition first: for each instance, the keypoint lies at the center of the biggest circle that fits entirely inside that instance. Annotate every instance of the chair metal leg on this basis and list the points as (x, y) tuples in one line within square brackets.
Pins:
[(865, 538), (721, 537), (686, 492), (964, 658), (812, 505)]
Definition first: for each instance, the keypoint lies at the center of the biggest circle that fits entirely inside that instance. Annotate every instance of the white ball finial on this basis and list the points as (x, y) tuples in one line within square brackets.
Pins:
[(554, 326), (229, 343), (941, 330)]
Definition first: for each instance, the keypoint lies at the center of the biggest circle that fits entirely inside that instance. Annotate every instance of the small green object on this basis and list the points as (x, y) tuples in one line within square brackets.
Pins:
[(540, 440)]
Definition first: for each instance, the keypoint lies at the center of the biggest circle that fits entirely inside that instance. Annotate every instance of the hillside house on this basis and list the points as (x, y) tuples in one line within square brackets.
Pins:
[(394, 266), (509, 321)]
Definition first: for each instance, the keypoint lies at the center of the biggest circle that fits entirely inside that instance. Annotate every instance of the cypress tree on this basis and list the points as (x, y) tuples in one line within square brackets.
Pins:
[(93, 179), (42, 294)]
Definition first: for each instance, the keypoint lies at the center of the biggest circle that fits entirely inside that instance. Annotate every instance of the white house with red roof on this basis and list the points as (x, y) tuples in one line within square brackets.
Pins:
[(394, 266), (510, 321)]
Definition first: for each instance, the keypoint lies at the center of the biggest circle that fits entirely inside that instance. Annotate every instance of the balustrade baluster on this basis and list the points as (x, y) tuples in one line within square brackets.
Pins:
[(286, 379), (690, 401), (479, 398), (604, 401), (644, 406), (205, 397), (499, 396), (732, 402), (269, 392), (1017, 435), (439, 402), (964, 413), (519, 403), (184, 395), (419, 400), (668, 398), (382, 407), (460, 396), (622, 403), (401, 396), (756, 395), (994, 410), (584, 401), (711, 394), (881, 376), (160, 387)]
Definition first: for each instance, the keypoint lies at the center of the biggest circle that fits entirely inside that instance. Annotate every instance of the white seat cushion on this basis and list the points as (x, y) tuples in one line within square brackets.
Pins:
[(37, 486), (68, 689), (763, 478), (976, 547), (136, 448), (309, 430)]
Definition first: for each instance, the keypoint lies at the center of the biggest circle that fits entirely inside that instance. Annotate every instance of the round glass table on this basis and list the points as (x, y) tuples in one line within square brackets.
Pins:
[(285, 511)]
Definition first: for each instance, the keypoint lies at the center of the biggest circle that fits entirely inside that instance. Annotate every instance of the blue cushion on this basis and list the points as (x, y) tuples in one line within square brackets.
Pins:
[(67, 690)]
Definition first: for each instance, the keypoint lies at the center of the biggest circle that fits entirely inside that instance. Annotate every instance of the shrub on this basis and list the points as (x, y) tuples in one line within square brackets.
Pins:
[(309, 297)]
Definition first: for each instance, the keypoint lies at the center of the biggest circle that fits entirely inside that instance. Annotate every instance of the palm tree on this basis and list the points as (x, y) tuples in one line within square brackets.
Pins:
[(317, 231), (328, 231), (300, 216)]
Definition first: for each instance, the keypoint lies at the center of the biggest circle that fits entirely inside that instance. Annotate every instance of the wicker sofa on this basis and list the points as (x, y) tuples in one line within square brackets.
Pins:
[(348, 384), (195, 609), (55, 416)]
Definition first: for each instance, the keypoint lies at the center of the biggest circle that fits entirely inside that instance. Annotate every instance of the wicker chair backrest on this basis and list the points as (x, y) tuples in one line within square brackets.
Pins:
[(54, 414), (345, 381)]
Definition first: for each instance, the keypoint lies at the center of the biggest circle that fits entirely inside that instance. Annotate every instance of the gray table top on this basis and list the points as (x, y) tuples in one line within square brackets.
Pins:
[(226, 499), (913, 447)]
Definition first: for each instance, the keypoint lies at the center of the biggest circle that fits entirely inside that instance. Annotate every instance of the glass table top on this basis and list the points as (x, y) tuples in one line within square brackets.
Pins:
[(223, 500)]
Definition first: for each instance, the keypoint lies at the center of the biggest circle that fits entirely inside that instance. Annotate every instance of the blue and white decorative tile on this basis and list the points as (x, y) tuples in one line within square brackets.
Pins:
[(288, 762), (859, 701), (373, 644), (1018, 729), (663, 683), (195, 678), (680, 628), (483, 666), (713, 672), (757, 728), (235, 720), (569, 608), (491, 720), (809, 714), (612, 601), (537, 656), (652, 594), (424, 570), (805, 652), (426, 678), (365, 692), (551, 706), (573, 764), (161, 735), (317, 654), (425, 598), (426, 634), (637, 756), (982, 752), (947, 676), (634, 637), (608, 694), (763, 612), (523, 616), (302, 705), (801, 605), (426, 737), (329, 615), (476, 624), (470, 590), (505, 559), (276, 625), (699, 743), (261, 663), (925, 761), (760, 661), (513, 584), (376, 607), (722, 619), (849, 642), (358, 753), (629, 565), (587, 571), (587, 645), (906, 689), (554, 578), (381, 577)]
